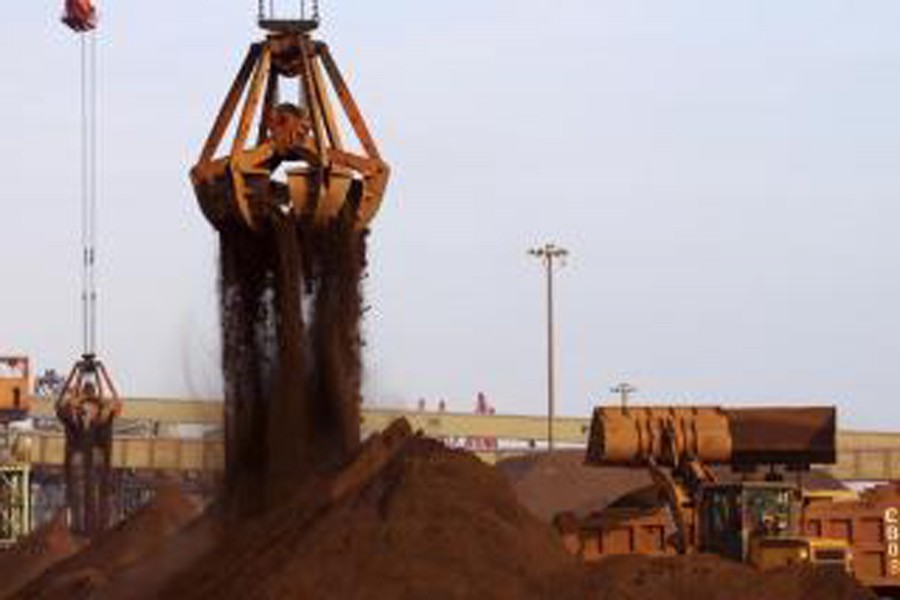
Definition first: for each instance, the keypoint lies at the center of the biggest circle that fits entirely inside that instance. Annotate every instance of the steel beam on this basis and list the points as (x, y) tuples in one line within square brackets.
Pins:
[(862, 455)]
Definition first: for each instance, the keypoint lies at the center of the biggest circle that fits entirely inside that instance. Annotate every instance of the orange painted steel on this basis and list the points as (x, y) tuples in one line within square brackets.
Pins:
[(630, 436), (299, 164)]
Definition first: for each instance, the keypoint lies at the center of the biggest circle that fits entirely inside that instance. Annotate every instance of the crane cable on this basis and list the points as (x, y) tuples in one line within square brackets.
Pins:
[(89, 189), (315, 10)]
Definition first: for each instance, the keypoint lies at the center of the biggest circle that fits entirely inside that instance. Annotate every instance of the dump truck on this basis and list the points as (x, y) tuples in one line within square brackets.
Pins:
[(869, 522), (763, 514)]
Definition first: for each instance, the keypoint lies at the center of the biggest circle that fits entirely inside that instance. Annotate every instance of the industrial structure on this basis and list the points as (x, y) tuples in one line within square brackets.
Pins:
[(149, 442), (299, 138), (87, 402), (15, 470), (292, 199), (292, 206), (763, 513)]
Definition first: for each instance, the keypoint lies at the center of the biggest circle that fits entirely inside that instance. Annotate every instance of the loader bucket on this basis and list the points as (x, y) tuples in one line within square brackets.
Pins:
[(741, 437), (799, 436), (628, 437)]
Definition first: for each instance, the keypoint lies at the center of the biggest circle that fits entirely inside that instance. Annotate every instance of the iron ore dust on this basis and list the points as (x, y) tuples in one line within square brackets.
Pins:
[(290, 308)]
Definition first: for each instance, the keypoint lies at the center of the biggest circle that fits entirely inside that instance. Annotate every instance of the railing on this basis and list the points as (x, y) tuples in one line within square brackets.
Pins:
[(862, 455), (15, 508), (155, 453)]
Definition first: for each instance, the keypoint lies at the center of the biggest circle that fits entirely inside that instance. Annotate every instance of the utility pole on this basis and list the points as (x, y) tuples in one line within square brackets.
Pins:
[(549, 254), (624, 390)]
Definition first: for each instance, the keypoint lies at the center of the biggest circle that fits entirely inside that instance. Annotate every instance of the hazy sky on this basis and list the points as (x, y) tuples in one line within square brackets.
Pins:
[(725, 175)]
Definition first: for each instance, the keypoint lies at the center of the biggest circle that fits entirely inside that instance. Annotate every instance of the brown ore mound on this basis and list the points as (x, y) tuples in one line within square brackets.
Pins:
[(707, 577), (46, 546), (434, 523), (550, 483), (81, 575)]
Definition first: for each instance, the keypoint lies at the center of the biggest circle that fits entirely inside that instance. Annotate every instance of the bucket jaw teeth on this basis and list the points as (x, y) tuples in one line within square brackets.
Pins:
[(299, 164)]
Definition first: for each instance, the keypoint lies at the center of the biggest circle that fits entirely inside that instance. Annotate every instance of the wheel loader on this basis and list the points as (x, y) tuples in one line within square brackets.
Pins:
[(759, 522)]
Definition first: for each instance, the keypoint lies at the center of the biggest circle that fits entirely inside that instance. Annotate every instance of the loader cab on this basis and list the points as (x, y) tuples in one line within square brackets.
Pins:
[(735, 517)]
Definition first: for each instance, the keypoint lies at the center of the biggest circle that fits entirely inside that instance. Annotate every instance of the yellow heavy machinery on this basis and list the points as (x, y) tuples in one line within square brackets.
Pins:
[(750, 520), (299, 163)]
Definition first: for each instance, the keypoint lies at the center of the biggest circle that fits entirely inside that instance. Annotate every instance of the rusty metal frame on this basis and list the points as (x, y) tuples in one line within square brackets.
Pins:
[(226, 113), (88, 443), (294, 55), (15, 503), (349, 104), (331, 125)]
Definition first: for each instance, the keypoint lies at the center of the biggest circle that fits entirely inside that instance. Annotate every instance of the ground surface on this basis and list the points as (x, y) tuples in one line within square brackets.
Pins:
[(433, 523)]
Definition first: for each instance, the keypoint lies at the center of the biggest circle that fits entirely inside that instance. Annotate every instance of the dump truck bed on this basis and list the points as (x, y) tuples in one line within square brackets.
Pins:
[(870, 525)]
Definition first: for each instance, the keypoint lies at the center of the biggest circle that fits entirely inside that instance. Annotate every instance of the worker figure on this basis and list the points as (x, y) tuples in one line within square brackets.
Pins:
[(80, 15)]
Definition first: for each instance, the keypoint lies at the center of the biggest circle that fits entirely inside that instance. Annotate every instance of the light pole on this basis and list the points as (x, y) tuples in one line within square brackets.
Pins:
[(624, 390), (549, 254)]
